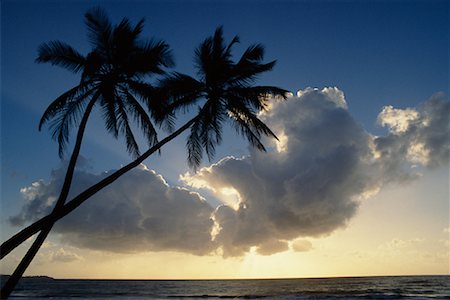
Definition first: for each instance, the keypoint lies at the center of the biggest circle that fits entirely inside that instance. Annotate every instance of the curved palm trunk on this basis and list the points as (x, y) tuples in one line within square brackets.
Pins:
[(50, 219), (31, 253)]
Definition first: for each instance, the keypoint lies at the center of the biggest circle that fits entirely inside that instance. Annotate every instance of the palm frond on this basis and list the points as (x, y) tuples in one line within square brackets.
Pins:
[(137, 30), (61, 54), (247, 72), (99, 29), (234, 41), (58, 104), (125, 33), (207, 139), (150, 59), (108, 104), (194, 147), (66, 119), (254, 53), (244, 126), (139, 87), (144, 90), (125, 129), (159, 51), (141, 117), (180, 91), (156, 104), (121, 30), (203, 59), (244, 115), (122, 42), (249, 66), (244, 129), (263, 90), (218, 47), (256, 96), (206, 132)]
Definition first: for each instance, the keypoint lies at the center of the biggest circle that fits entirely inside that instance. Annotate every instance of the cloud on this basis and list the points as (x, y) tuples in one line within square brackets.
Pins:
[(308, 188), (419, 136), (309, 184), (398, 120), (272, 246), (139, 212), (62, 255), (301, 245)]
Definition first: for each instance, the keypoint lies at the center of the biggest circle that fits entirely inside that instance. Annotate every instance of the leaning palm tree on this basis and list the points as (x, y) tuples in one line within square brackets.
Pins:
[(227, 90), (112, 77)]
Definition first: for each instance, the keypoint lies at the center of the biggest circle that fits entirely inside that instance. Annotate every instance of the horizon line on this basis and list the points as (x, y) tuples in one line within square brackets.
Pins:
[(233, 279)]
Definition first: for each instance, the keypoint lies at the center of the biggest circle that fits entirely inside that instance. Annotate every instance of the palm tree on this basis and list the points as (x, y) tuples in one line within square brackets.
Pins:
[(111, 77), (228, 92)]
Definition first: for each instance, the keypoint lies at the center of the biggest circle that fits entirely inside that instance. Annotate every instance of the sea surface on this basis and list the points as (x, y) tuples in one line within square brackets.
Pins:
[(390, 287)]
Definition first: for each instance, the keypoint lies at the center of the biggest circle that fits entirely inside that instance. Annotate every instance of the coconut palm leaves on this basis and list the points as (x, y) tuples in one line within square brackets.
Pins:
[(112, 76), (229, 94)]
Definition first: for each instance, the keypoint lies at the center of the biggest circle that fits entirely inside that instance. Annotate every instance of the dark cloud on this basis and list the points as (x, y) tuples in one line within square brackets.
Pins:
[(307, 185), (139, 212)]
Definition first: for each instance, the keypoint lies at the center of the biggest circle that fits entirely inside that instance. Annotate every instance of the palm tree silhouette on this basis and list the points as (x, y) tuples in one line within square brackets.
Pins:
[(111, 77), (228, 93)]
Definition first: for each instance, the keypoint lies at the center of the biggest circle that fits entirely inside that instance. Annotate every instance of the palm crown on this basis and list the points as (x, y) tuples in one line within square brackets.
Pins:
[(229, 94), (112, 77)]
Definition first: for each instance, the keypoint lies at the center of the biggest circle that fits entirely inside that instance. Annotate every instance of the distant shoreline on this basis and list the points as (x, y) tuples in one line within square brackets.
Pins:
[(4, 277)]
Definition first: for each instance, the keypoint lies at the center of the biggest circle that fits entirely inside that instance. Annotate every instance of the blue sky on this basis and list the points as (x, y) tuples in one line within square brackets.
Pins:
[(377, 52)]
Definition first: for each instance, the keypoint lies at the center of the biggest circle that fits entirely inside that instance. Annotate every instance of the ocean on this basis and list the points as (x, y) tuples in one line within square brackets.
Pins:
[(385, 287)]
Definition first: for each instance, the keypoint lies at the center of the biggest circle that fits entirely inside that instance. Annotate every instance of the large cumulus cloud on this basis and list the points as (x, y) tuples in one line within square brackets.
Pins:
[(308, 184), (307, 187), (324, 163)]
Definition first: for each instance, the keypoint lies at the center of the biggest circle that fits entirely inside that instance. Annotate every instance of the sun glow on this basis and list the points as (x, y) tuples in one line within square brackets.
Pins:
[(230, 196), (281, 143)]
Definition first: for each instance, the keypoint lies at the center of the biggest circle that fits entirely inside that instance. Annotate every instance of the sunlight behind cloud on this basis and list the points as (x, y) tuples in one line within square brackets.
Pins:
[(398, 120), (282, 142), (230, 196), (418, 153)]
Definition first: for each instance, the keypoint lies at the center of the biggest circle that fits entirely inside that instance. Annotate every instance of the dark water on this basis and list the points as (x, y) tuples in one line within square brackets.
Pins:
[(398, 287)]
